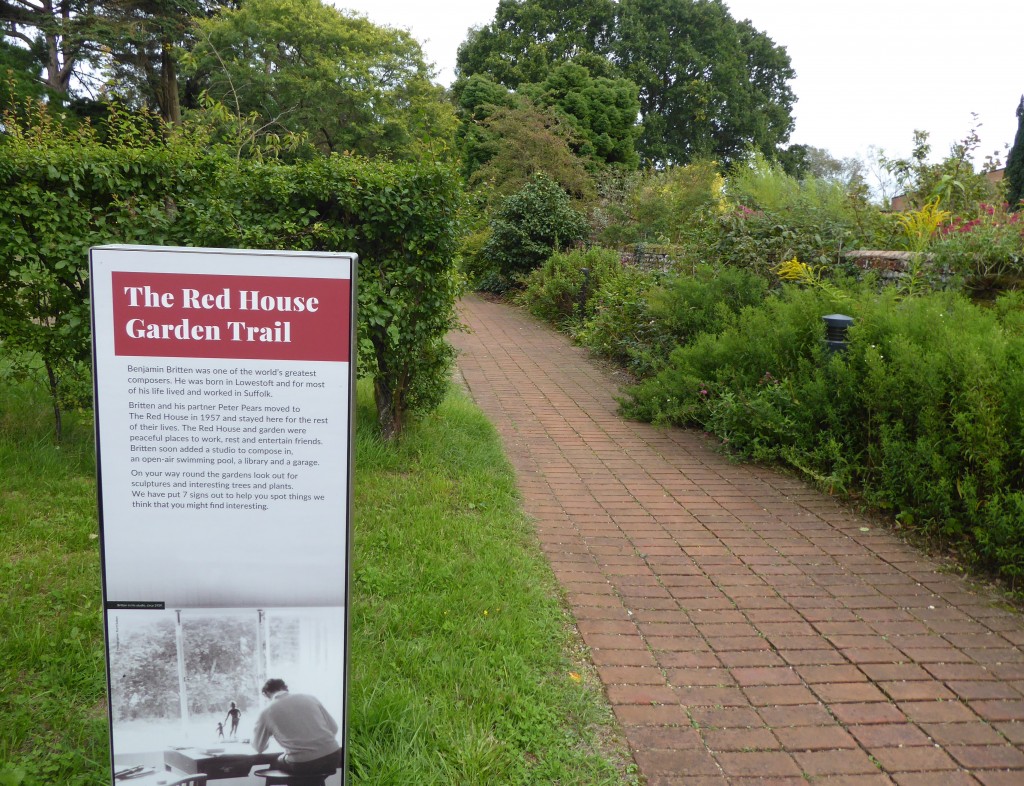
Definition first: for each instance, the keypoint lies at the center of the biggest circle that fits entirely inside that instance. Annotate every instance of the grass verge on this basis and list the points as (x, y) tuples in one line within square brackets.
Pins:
[(461, 654)]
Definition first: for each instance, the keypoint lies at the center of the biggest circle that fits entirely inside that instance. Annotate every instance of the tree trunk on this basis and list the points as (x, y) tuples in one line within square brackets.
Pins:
[(388, 396), (58, 425), (170, 105), (388, 415)]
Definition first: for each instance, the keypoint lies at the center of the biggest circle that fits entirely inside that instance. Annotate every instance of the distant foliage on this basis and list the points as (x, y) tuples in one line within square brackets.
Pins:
[(1015, 164), (709, 86), (510, 145), (603, 111), (304, 66)]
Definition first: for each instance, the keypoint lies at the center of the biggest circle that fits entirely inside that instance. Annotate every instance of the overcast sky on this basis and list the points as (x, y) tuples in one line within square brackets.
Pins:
[(869, 72)]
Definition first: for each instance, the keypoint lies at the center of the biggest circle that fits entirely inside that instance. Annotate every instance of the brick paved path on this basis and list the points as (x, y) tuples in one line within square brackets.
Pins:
[(747, 628)]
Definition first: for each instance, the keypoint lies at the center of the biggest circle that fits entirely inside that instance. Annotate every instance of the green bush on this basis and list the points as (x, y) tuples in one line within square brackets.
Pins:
[(923, 416), (640, 318), (531, 225), (621, 327), (63, 191), (402, 220), (779, 217), (559, 290)]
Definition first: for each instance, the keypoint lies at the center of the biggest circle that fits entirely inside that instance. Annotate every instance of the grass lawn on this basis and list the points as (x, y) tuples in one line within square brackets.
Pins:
[(464, 668)]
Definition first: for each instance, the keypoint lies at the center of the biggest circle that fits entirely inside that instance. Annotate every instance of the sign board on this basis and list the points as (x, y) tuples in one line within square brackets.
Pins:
[(224, 399)]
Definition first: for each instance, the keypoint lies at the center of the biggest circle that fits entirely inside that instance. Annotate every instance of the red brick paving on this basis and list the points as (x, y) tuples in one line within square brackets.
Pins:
[(748, 629)]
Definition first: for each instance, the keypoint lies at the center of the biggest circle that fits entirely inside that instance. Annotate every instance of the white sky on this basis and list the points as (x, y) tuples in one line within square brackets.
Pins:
[(869, 72)]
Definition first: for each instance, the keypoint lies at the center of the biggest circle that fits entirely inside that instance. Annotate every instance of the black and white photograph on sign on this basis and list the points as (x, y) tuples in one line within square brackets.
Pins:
[(188, 685)]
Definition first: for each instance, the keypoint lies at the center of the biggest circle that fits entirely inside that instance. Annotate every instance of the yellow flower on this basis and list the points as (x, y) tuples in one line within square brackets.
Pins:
[(574, 676)]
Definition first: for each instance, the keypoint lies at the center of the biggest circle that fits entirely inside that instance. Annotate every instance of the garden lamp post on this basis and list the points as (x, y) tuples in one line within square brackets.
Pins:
[(836, 326)]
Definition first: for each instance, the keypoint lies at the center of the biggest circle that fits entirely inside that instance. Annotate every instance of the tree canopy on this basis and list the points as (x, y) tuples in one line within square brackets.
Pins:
[(1015, 163), (601, 110), (303, 66), (528, 37), (58, 35), (709, 85)]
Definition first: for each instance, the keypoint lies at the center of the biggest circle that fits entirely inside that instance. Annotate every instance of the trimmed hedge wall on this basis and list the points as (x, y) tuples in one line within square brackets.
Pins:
[(63, 191)]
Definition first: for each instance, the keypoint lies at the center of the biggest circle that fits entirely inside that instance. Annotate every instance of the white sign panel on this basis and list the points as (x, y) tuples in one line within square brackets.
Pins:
[(223, 419)]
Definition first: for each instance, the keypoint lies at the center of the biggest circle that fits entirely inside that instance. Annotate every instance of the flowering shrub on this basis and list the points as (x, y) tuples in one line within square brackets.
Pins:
[(986, 251)]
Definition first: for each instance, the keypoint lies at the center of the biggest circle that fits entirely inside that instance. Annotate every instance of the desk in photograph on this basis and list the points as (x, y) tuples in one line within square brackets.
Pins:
[(234, 760)]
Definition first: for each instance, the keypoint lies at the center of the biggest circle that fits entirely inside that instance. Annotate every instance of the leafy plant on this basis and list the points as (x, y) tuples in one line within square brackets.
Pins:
[(985, 252), (564, 285), (531, 225), (63, 191), (920, 225), (922, 416)]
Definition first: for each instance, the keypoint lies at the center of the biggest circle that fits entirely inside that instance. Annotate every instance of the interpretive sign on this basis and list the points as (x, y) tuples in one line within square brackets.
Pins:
[(223, 409)]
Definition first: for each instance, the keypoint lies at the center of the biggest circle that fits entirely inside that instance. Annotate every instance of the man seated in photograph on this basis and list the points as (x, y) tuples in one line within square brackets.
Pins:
[(302, 726)]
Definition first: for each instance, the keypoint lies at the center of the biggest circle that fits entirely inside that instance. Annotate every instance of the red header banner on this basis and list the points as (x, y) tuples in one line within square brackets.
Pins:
[(221, 316)]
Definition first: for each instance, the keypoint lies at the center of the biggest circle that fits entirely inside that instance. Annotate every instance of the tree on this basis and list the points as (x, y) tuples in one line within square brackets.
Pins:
[(601, 110), (56, 32), (801, 161), (303, 66), (1015, 164), (531, 225), (952, 181), (143, 43), (709, 86), (528, 37), (20, 75), (513, 143)]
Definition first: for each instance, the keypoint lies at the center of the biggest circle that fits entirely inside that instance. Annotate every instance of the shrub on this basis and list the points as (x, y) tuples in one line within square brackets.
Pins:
[(985, 252), (63, 191), (560, 290), (778, 217), (923, 416), (666, 206), (639, 319), (531, 225), (621, 326)]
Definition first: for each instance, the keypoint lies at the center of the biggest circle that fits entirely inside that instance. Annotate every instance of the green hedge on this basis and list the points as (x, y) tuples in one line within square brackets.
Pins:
[(63, 191), (923, 416)]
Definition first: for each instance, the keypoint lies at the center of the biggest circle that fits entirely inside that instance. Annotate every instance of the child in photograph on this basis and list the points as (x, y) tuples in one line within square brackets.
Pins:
[(234, 715), (220, 732)]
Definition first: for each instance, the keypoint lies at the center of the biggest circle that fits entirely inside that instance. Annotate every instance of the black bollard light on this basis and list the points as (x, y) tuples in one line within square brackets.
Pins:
[(836, 326)]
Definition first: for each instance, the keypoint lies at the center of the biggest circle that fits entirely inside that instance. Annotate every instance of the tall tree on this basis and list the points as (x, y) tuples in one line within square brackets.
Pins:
[(1015, 163), (709, 85), (20, 74), (303, 66), (56, 32), (527, 37), (144, 41), (602, 111)]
